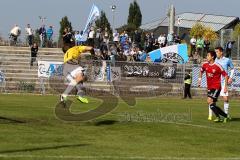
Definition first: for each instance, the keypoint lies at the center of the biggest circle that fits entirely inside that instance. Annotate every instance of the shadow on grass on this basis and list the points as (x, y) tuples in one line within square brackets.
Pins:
[(105, 122), (235, 119), (42, 148), (4, 120)]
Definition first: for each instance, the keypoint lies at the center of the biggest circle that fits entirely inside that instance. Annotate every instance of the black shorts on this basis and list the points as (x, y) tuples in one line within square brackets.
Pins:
[(214, 93)]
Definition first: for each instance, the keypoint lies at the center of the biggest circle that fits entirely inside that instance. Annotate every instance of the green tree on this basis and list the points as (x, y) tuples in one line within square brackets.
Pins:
[(130, 14), (135, 15), (64, 23), (210, 34), (102, 22), (197, 30), (236, 31)]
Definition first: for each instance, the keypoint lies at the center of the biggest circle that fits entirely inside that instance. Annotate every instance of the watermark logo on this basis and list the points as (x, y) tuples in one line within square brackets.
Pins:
[(156, 117), (117, 84)]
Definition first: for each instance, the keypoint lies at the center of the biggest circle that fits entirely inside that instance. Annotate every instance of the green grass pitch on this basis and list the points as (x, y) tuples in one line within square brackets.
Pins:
[(156, 128)]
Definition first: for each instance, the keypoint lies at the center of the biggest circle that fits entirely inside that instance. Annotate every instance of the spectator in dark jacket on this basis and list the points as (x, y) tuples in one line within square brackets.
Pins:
[(34, 51), (228, 48), (137, 38), (67, 36), (42, 35)]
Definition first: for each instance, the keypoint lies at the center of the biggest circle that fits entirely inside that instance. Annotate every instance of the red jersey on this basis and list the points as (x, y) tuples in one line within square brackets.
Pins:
[(213, 74)]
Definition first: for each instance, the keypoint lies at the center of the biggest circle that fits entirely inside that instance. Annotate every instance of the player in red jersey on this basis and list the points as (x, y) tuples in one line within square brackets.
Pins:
[(213, 74)]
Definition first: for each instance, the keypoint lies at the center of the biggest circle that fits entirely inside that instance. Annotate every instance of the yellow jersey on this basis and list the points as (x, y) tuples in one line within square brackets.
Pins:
[(73, 53)]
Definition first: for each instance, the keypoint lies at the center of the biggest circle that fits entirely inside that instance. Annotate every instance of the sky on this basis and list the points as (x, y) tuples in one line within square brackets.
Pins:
[(22, 12)]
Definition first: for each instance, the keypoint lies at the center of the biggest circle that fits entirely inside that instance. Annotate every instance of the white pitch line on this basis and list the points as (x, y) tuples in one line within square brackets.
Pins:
[(116, 157), (201, 126)]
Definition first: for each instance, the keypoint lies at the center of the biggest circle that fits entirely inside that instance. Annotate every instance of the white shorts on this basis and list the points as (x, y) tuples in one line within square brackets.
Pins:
[(222, 94), (72, 75)]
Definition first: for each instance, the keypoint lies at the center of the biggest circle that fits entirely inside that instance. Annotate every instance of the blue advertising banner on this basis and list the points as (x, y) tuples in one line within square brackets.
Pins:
[(175, 53)]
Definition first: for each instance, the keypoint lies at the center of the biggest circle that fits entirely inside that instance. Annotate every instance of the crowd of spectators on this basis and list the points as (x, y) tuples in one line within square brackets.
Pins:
[(122, 46), (132, 46), (45, 35)]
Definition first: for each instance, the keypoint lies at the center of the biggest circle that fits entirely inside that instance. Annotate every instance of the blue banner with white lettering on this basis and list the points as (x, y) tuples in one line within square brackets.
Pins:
[(175, 53)]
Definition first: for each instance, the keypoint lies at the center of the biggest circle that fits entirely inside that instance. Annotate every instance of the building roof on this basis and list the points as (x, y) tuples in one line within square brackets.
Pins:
[(187, 20)]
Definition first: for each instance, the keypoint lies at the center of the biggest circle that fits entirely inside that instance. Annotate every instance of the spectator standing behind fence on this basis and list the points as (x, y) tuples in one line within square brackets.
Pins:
[(98, 38), (193, 46), (116, 37), (206, 46), (228, 49), (161, 40), (78, 38), (29, 33), (177, 39), (151, 40), (187, 85), (123, 38), (49, 36), (34, 52), (200, 45), (156, 45), (91, 37), (137, 38), (106, 36), (170, 39), (49, 33), (126, 51), (67, 36), (68, 41), (14, 33), (42, 35)]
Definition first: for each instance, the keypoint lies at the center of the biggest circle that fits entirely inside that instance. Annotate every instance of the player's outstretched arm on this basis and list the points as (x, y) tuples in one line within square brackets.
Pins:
[(88, 48)]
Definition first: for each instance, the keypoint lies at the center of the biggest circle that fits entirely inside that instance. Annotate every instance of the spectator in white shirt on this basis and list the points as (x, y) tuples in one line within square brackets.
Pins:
[(78, 37), (91, 37), (193, 42), (15, 32), (29, 33), (161, 40), (116, 37)]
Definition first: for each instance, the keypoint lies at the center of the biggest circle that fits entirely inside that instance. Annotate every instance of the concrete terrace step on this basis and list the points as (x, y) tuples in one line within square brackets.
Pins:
[(27, 59), (11, 48), (30, 75), (25, 79), (25, 67), (28, 52), (17, 70), (21, 63), (21, 74), (28, 55)]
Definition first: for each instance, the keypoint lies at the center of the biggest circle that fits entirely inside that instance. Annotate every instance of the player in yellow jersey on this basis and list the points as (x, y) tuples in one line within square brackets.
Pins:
[(73, 72)]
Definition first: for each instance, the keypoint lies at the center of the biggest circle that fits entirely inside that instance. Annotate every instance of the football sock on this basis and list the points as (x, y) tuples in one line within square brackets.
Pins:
[(226, 107), (214, 109), (69, 88), (210, 112), (217, 111)]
